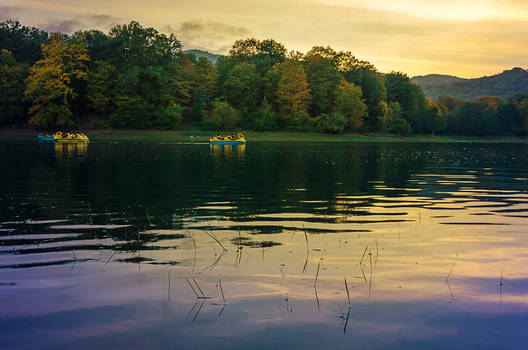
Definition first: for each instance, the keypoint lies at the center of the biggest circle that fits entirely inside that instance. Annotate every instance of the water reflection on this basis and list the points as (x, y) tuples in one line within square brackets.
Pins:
[(228, 150), (69, 150), (400, 246)]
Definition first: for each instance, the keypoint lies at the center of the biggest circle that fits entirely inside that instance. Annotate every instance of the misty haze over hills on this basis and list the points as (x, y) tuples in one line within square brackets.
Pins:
[(505, 84), (212, 57)]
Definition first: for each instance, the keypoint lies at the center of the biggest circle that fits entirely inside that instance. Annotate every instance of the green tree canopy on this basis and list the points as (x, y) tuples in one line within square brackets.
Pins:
[(288, 90), (264, 54), (323, 79), (349, 103), (134, 45), (243, 87), (12, 85), (23, 42)]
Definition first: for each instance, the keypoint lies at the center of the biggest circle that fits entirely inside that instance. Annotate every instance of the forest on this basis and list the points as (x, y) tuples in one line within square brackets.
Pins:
[(136, 77)]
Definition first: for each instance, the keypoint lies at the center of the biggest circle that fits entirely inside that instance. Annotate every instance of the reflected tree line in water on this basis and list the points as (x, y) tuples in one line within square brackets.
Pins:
[(125, 180)]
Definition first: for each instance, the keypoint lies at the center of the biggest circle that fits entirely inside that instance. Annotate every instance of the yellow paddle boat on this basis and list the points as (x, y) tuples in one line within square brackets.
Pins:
[(239, 139), (70, 138)]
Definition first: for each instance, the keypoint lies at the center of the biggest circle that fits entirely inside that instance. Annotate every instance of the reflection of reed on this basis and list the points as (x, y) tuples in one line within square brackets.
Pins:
[(198, 296), (447, 279), (169, 287), (317, 298), (315, 284), (214, 264), (307, 251), (344, 319), (191, 312), (500, 289)]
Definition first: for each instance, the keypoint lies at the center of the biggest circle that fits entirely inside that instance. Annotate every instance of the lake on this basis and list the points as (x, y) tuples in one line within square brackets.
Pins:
[(264, 246)]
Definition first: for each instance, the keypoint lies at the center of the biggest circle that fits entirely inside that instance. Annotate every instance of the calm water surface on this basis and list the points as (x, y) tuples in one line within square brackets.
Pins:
[(193, 247)]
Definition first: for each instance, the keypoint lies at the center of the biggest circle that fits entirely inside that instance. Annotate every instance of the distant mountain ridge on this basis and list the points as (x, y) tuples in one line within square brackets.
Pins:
[(505, 84), (212, 57)]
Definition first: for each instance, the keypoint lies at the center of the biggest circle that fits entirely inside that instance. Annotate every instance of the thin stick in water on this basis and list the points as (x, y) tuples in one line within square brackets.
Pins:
[(348, 293), (200, 289), (210, 234), (169, 286), (306, 239), (190, 285), (222, 291), (317, 273), (363, 256), (452, 268)]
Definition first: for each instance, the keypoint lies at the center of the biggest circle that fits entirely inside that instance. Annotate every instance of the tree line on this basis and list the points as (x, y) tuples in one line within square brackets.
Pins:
[(137, 77)]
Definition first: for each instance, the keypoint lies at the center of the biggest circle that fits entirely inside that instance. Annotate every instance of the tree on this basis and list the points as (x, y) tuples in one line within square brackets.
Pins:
[(270, 52), (332, 123), (204, 90), (265, 120), (12, 77), (510, 118), (222, 117), (150, 97), (245, 49), (242, 87), (102, 88), (375, 95), (393, 121), (23, 42), (324, 52), (475, 118), (518, 120), (323, 79), (50, 84), (411, 99), (436, 118), (349, 65), (287, 87), (263, 54), (349, 104), (449, 102), (134, 45), (100, 46)]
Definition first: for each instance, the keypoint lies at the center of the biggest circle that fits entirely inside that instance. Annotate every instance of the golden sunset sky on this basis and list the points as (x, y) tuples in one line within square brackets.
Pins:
[(467, 38)]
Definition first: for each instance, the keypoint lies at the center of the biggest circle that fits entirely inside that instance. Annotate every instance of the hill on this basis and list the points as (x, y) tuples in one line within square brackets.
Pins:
[(505, 84), (212, 57)]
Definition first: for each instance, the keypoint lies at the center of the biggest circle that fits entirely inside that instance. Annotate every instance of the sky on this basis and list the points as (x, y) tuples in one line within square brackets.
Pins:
[(466, 38)]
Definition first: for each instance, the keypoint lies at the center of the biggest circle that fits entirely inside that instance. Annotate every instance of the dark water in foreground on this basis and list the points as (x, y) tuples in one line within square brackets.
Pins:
[(106, 246)]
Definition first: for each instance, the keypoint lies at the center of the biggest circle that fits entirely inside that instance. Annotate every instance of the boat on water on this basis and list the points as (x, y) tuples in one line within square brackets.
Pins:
[(46, 138), (239, 139), (70, 138)]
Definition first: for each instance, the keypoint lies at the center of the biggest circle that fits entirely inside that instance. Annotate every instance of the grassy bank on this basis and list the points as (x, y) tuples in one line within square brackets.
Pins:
[(153, 136)]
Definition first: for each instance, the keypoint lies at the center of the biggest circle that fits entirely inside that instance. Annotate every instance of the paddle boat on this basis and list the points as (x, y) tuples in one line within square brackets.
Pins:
[(70, 138), (47, 138), (239, 139)]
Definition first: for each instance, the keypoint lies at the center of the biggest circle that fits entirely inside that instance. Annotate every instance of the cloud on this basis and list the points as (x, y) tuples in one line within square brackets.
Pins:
[(66, 27), (207, 35), (103, 20), (87, 22)]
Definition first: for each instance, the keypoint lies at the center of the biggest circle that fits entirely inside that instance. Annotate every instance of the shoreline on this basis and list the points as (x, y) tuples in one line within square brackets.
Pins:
[(179, 136)]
